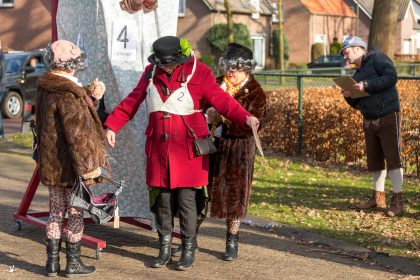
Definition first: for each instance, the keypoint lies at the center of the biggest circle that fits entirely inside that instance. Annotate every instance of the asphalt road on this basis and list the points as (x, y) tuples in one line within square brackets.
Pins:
[(12, 125)]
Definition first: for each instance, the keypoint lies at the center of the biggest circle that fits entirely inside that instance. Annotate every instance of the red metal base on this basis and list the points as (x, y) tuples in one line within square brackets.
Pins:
[(34, 218)]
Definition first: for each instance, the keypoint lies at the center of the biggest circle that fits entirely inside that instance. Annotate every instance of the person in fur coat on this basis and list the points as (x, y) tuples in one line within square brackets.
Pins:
[(70, 144), (233, 164)]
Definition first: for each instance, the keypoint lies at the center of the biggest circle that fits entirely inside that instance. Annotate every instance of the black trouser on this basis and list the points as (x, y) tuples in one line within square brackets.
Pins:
[(182, 199)]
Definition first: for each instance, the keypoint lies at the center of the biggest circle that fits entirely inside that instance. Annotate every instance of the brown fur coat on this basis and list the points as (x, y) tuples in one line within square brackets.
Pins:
[(70, 136), (233, 164)]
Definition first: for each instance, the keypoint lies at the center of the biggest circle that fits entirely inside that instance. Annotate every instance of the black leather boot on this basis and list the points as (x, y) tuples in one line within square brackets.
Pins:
[(188, 253), (75, 267), (177, 251), (231, 252), (53, 253), (165, 243)]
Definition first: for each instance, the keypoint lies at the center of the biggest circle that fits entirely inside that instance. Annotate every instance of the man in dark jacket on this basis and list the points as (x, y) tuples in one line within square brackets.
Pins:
[(376, 75)]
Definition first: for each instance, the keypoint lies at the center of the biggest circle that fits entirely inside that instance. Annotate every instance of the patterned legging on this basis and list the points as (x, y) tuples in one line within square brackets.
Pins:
[(233, 225), (59, 197)]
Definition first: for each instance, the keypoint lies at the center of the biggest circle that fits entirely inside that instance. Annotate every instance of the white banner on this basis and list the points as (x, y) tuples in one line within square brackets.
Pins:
[(124, 40)]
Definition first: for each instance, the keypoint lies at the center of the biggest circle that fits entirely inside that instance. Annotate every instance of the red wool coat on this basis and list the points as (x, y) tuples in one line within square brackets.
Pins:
[(169, 146)]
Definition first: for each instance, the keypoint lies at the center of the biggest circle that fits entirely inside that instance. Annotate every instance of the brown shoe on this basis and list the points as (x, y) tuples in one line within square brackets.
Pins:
[(396, 208), (377, 200)]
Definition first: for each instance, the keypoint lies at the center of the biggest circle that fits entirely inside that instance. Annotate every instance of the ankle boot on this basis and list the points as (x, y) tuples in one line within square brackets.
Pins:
[(75, 267), (188, 253), (165, 243), (377, 200), (177, 251), (396, 208), (231, 252), (53, 253)]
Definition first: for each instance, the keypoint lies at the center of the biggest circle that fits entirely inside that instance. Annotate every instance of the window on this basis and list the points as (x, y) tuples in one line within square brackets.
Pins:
[(7, 3), (407, 46), (182, 7), (256, 5), (275, 16), (320, 38), (258, 47)]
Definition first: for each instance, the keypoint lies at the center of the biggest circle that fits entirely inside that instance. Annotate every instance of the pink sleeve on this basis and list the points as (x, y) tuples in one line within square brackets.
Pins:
[(126, 110)]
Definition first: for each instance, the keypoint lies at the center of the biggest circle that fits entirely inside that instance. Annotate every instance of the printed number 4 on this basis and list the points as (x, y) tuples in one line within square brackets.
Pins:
[(123, 36)]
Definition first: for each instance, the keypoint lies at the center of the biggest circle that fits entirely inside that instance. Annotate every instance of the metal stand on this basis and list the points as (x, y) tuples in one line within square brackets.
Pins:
[(34, 218)]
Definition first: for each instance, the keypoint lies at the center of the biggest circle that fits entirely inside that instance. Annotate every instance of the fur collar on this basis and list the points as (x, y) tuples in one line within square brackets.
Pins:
[(58, 84), (250, 86)]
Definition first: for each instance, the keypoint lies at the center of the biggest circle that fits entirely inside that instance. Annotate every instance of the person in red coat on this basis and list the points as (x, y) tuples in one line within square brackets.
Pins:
[(176, 88)]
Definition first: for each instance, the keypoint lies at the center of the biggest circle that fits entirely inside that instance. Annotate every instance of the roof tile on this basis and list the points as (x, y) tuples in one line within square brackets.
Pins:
[(328, 7)]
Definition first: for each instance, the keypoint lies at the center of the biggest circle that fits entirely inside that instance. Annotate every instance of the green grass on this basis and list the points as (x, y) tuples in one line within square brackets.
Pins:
[(20, 139), (320, 199)]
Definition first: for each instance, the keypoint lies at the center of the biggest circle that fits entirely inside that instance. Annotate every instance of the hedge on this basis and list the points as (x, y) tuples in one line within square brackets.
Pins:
[(332, 130)]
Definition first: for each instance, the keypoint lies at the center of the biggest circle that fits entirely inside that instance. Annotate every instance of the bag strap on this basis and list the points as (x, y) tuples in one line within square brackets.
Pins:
[(188, 127), (32, 125)]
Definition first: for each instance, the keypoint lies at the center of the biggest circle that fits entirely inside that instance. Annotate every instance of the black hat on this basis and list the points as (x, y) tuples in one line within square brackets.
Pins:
[(235, 51), (167, 51), (236, 57)]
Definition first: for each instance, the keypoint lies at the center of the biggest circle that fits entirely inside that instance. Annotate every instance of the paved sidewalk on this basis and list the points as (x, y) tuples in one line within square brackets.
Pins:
[(282, 253)]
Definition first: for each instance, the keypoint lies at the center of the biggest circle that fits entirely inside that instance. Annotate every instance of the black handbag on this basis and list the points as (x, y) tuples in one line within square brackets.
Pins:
[(100, 207), (204, 146)]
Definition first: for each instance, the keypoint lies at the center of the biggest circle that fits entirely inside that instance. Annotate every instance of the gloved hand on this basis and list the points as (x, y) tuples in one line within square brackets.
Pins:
[(252, 121), (93, 174), (98, 89)]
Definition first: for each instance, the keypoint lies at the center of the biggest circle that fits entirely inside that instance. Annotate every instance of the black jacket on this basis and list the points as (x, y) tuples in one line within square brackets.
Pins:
[(378, 73)]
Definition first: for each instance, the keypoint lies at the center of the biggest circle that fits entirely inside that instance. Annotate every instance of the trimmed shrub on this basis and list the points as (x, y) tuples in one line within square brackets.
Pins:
[(276, 48), (209, 60), (217, 36), (317, 50), (335, 46)]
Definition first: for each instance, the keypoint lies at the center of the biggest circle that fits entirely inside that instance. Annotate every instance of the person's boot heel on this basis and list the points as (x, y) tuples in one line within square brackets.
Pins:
[(53, 246)]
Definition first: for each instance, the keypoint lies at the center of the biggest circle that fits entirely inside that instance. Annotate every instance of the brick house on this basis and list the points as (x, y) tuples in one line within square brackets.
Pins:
[(25, 24), (408, 28), (315, 21), (196, 17)]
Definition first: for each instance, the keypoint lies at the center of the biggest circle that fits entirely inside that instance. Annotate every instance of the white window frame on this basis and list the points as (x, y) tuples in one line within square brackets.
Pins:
[(275, 15), (7, 5), (407, 46), (182, 8), (256, 5), (262, 38)]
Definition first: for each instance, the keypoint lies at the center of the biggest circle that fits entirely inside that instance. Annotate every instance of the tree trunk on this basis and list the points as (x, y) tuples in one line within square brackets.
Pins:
[(229, 22), (383, 26), (281, 42)]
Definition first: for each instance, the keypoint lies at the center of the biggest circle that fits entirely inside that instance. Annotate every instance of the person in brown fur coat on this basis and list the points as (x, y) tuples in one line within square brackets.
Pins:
[(70, 144), (233, 164)]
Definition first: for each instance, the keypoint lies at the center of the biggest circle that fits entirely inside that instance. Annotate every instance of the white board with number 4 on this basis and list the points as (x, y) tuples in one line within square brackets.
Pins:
[(124, 40)]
